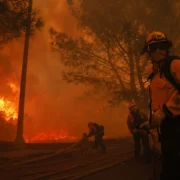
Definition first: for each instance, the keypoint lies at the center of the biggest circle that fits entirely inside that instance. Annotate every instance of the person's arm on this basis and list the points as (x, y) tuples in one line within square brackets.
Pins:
[(130, 120), (89, 134), (144, 116), (172, 106)]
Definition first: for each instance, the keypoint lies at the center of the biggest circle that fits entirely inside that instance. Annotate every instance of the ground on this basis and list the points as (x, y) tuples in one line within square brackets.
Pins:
[(58, 161), (127, 171)]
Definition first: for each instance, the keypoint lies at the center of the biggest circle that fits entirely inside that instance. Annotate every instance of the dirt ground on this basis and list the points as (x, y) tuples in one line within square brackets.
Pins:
[(131, 170), (72, 162)]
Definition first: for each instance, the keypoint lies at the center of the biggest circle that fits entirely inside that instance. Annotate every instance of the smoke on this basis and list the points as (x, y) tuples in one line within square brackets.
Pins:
[(52, 104)]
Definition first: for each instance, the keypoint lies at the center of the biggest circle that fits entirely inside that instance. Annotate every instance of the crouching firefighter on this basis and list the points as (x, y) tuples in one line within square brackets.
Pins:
[(135, 118), (164, 91), (97, 131)]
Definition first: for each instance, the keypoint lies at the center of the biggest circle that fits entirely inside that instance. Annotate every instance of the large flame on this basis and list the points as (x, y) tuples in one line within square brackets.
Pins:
[(8, 109)]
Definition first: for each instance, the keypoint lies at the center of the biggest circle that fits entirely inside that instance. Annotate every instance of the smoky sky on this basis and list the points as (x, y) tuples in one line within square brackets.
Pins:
[(51, 103)]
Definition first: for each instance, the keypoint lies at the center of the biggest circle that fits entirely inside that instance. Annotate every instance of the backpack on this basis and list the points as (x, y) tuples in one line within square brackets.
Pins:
[(101, 130), (166, 72)]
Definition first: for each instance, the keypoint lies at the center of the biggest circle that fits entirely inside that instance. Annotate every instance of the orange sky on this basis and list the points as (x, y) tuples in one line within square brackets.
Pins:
[(51, 103)]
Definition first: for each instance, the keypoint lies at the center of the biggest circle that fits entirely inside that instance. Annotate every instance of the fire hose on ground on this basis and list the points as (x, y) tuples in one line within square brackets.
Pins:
[(104, 167), (47, 156), (90, 172), (73, 176)]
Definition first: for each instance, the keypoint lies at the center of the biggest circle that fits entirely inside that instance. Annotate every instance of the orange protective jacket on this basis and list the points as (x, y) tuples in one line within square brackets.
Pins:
[(163, 94)]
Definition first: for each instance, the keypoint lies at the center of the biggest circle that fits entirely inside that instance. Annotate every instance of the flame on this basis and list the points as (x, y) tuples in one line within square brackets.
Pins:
[(49, 137), (8, 108), (13, 87)]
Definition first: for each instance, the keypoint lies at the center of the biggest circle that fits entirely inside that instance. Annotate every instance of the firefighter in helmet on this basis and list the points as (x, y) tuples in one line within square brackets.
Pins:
[(165, 101), (135, 118), (97, 131)]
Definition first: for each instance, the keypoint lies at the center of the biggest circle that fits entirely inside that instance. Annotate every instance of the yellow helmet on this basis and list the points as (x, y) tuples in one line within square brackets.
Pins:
[(154, 37)]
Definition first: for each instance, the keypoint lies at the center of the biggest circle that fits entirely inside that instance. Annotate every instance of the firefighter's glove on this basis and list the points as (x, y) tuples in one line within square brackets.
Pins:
[(145, 125), (158, 118)]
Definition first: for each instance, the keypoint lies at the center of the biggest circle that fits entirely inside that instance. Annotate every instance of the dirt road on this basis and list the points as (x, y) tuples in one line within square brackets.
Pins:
[(117, 164)]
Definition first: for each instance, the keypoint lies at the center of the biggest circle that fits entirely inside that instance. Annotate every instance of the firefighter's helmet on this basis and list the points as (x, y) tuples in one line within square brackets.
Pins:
[(155, 37), (90, 123)]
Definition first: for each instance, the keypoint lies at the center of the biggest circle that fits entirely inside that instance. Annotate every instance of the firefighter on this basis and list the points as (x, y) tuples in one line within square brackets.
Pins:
[(135, 118), (165, 101), (97, 131)]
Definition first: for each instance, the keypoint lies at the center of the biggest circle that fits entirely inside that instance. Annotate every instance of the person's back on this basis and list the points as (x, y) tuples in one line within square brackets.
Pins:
[(97, 131)]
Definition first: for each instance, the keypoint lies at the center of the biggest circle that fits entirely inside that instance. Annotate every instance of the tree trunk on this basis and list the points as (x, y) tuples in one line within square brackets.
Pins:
[(133, 88), (144, 94), (19, 135)]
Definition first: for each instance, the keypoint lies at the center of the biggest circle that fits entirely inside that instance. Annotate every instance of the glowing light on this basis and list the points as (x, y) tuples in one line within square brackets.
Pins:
[(14, 88), (50, 137), (8, 108)]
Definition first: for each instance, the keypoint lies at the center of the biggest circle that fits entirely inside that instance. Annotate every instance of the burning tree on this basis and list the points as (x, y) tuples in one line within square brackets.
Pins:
[(107, 54), (16, 19)]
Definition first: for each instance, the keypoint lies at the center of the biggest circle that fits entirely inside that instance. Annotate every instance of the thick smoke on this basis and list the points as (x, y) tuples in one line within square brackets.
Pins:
[(51, 103)]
